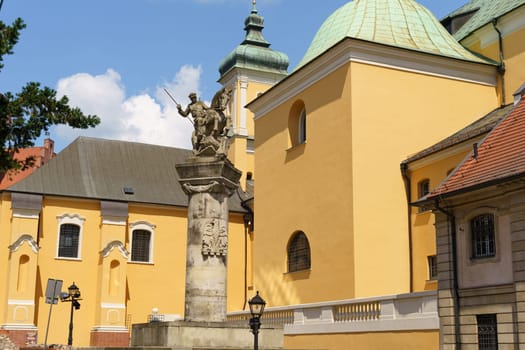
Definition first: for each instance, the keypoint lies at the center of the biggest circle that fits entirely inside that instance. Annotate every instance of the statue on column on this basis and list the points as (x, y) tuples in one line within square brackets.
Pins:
[(212, 125)]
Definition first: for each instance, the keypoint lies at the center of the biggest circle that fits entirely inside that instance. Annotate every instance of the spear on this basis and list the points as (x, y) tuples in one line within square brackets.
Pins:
[(167, 92)]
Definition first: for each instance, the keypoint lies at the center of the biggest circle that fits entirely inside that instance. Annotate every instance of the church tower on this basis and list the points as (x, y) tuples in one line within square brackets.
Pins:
[(249, 70)]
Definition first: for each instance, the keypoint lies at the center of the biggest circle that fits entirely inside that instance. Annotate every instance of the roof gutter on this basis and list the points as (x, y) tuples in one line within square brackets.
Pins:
[(408, 191), (454, 256), (501, 66)]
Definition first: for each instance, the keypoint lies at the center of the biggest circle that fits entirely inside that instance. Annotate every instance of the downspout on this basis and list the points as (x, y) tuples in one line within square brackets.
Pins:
[(408, 191), (501, 66), (455, 292), (248, 228)]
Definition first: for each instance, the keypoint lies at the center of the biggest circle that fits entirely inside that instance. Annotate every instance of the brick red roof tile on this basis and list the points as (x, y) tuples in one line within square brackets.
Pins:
[(501, 155)]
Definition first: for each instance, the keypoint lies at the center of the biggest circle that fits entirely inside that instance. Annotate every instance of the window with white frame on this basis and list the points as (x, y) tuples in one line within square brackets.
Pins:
[(69, 236), (142, 242)]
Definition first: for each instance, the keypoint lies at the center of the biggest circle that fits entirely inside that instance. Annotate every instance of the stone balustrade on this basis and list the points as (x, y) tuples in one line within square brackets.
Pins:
[(404, 312)]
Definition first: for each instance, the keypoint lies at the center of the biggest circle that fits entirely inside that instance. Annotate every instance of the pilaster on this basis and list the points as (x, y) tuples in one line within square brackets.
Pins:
[(110, 326), (22, 268)]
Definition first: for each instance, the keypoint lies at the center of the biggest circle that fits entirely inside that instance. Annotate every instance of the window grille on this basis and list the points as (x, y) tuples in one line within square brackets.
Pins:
[(298, 253), (432, 267), (68, 241), (487, 332), (140, 245), (483, 236)]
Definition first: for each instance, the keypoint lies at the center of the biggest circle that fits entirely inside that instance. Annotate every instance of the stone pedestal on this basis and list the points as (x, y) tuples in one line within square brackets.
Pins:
[(208, 182), (202, 335)]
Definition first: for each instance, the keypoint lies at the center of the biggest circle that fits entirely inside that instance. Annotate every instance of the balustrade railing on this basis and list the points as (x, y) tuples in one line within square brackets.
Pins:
[(395, 312)]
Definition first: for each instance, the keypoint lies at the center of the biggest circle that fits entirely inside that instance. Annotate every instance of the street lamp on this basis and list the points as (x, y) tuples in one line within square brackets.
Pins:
[(72, 296), (257, 305)]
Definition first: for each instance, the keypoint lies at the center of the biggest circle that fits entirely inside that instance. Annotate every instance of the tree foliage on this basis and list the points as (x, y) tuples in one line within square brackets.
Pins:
[(25, 115)]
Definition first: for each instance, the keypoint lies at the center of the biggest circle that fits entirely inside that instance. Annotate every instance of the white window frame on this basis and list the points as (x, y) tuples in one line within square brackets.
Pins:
[(146, 226), (74, 219)]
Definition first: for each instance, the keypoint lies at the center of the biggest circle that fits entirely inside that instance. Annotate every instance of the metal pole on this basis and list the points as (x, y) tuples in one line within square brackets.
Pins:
[(70, 337), (256, 340), (255, 324)]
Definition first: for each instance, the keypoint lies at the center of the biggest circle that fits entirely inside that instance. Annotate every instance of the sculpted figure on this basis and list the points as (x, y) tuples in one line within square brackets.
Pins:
[(197, 109), (212, 126)]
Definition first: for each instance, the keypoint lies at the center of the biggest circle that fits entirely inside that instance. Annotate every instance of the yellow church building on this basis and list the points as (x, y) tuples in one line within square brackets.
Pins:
[(384, 104)]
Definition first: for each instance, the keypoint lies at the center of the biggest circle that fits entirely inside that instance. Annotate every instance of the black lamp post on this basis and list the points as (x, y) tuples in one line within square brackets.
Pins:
[(72, 296), (257, 305)]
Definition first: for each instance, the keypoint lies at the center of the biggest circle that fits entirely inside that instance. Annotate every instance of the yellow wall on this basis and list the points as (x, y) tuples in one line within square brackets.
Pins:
[(138, 286), (514, 58), (423, 230), (238, 154), (344, 187), (403, 112), (428, 340), (304, 188)]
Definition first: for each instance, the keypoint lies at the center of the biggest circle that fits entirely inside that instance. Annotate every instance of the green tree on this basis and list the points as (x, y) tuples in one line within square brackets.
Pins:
[(25, 115)]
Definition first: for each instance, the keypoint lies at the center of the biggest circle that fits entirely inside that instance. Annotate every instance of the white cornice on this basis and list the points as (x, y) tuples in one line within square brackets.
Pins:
[(112, 306), (352, 50), (26, 213), (28, 302), (250, 75)]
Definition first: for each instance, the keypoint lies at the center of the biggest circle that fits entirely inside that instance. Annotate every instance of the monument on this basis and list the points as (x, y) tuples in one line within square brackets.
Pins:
[(209, 179)]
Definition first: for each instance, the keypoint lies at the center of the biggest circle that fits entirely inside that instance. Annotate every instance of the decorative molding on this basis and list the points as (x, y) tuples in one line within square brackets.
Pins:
[(110, 329), (137, 225), (25, 238), (115, 244), (114, 220), (26, 213), (353, 50), (29, 302), (18, 327), (112, 306)]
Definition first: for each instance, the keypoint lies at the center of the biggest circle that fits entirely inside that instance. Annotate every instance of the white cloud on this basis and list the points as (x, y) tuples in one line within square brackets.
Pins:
[(139, 118)]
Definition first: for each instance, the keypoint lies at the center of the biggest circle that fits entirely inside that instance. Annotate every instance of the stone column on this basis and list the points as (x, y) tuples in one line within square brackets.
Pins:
[(208, 182)]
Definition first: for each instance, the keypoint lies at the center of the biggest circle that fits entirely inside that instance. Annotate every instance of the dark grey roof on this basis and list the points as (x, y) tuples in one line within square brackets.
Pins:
[(477, 128), (100, 169)]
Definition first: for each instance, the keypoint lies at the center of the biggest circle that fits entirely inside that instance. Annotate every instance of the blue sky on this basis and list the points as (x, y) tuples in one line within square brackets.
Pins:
[(113, 58)]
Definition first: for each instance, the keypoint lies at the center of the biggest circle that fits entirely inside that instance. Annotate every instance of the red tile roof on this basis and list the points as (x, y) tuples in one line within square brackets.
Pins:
[(41, 155), (500, 156)]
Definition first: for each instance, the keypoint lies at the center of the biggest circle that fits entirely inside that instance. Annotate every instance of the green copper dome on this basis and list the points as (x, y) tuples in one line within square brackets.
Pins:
[(254, 52), (399, 23)]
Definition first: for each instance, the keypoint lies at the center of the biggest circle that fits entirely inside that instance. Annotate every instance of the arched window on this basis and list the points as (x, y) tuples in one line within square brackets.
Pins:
[(298, 253), (423, 188), (483, 236), (301, 135), (297, 124), (70, 236), (142, 242), (140, 245), (69, 241)]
